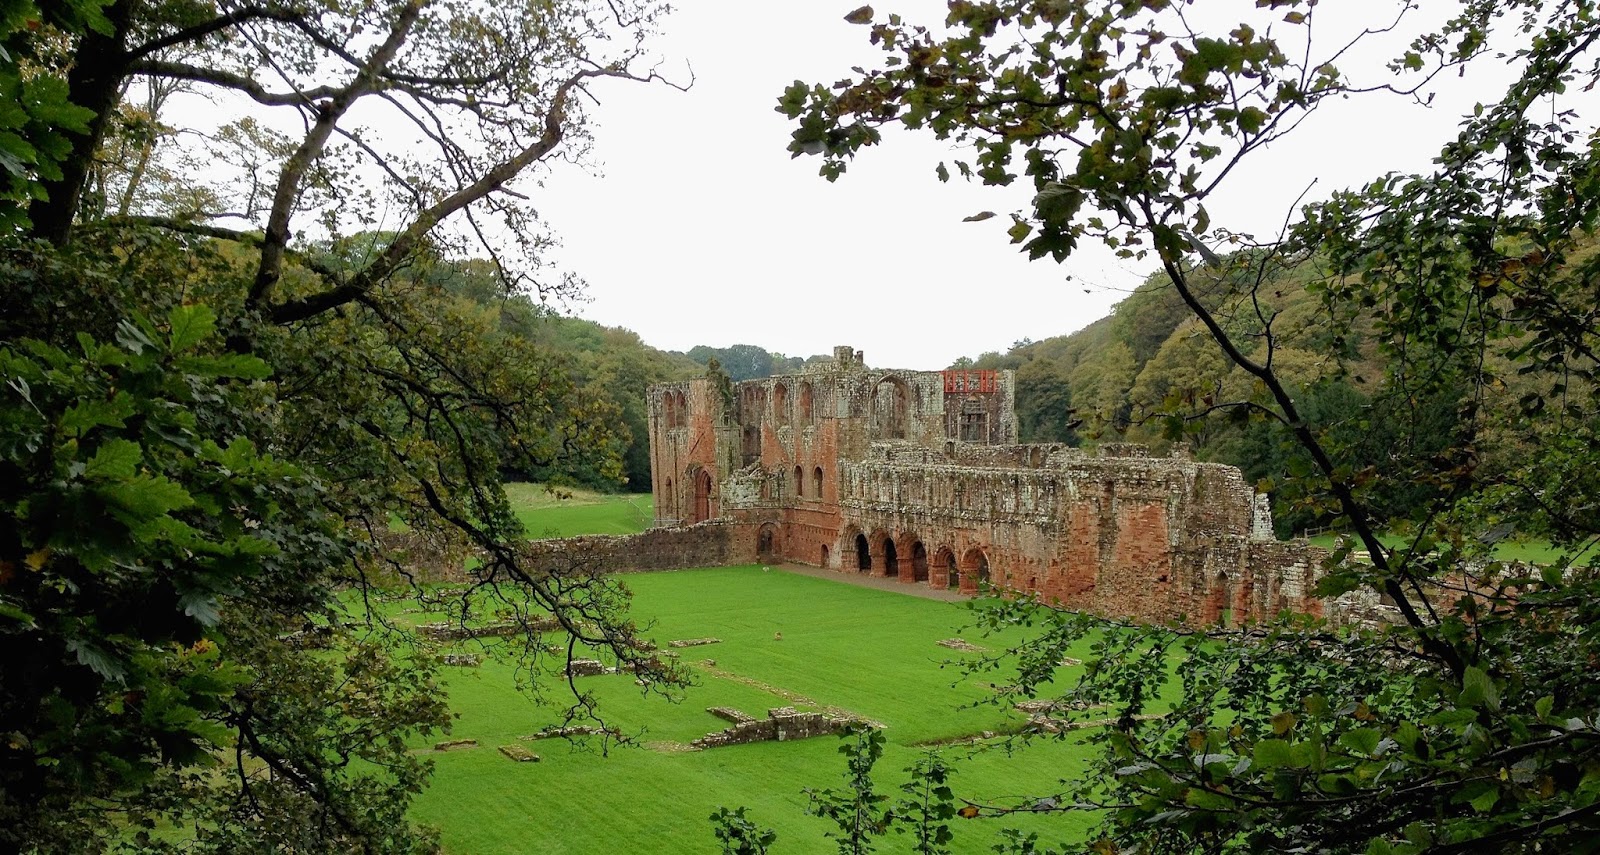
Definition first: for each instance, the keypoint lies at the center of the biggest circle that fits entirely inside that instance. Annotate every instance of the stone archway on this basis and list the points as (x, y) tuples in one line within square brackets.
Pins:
[(1219, 603), (863, 554), (919, 562), (891, 408), (891, 556), (945, 572), (780, 403), (974, 569), (767, 543), (702, 496)]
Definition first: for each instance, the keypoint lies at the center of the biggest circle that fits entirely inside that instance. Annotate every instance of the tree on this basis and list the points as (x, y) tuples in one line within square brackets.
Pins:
[(208, 434), (1461, 727)]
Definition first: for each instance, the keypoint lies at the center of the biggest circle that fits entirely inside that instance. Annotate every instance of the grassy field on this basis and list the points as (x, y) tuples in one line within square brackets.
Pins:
[(870, 652), (1529, 551), (574, 512)]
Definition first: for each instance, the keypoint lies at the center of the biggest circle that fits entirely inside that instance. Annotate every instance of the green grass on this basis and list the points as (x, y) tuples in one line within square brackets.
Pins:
[(867, 651), (575, 512), (1531, 551)]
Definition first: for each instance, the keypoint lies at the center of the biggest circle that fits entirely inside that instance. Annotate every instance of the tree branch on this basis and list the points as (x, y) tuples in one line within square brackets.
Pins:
[(406, 242)]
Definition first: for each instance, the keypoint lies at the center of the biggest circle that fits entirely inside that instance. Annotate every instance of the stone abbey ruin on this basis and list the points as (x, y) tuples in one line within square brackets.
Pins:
[(917, 476)]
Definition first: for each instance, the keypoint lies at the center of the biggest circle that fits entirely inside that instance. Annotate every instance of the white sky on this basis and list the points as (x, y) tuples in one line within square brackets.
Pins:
[(699, 229)]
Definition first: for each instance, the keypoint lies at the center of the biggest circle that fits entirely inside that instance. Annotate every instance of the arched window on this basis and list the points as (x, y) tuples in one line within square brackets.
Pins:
[(816, 483), (891, 408), (799, 483), (780, 404), (677, 407), (805, 402)]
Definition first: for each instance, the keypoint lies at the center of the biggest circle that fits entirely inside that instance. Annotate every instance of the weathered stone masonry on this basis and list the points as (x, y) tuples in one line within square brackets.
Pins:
[(917, 475)]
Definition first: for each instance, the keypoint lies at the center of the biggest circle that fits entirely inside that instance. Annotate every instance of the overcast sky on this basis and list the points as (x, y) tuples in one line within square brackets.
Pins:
[(700, 229)]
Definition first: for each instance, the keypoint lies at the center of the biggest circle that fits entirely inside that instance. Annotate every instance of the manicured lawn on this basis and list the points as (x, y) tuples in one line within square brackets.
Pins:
[(1530, 550), (870, 652), (576, 512)]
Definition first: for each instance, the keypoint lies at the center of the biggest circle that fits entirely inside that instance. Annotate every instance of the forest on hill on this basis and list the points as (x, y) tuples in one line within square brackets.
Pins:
[(1150, 373)]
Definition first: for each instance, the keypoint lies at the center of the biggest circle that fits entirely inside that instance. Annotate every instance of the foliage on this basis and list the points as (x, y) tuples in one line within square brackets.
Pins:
[(152, 560), (738, 835), (209, 432), (1431, 374), (859, 811)]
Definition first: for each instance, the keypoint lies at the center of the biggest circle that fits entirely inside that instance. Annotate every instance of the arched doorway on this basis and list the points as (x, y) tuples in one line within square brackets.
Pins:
[(863, 554), (945, 562), (1219, 606), (919, 562), (974, 569), (824, 555), (767, 542), (702, 496), (891, 561)]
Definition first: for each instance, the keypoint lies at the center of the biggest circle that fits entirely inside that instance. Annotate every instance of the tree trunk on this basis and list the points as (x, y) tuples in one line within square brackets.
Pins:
[(98, 67)]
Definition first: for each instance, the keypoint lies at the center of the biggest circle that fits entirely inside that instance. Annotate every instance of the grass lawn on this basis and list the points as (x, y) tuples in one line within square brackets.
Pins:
[(1530, 551), (575, 512), (866, 651)]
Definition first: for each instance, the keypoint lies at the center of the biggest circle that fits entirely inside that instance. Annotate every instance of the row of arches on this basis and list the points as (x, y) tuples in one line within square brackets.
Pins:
[(674, 409), (753, 403), (909, 559), (699, 509), (800, 483)]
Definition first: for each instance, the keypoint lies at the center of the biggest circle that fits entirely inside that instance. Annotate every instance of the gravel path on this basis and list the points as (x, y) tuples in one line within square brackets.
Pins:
[(920, 589)]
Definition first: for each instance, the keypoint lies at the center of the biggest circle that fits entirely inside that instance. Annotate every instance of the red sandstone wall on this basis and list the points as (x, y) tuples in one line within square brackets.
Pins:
[(710, 544)]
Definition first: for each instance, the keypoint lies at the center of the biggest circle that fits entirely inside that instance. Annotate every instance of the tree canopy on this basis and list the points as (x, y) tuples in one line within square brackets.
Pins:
[(235, 367), (1459, 301)]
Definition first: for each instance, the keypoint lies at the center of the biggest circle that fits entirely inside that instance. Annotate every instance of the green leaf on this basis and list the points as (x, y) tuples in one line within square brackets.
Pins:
[(190, 326), (115, 459), (145, 497), (1251, 119), (1477, 689), (1362, 741), (201, 606), (1336, 785), (84, 416), (1273, 754), (98, 660)]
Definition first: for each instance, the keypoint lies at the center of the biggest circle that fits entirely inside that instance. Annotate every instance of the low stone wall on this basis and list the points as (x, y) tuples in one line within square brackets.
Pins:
[(730, 714), (718, 543), (498, 629), (780, 725)]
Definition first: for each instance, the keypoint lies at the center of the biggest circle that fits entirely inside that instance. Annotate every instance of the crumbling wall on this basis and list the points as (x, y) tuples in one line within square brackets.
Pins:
[(716, 543), (781, 724)]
